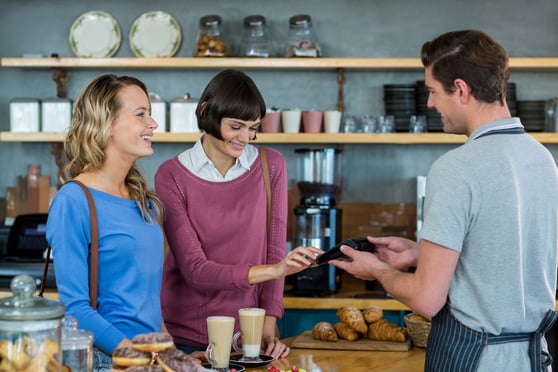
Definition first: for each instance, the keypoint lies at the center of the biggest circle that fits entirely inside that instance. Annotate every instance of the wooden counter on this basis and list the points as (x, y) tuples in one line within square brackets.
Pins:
[(350, 288), (343, 360)]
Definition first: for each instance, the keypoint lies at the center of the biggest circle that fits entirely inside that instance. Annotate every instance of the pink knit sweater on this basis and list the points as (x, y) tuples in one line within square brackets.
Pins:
[(216, 231)]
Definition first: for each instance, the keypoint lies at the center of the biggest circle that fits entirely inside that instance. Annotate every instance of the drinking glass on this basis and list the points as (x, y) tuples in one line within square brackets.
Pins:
[(251, 331), (386, 124), (219, 332), (417, 124)]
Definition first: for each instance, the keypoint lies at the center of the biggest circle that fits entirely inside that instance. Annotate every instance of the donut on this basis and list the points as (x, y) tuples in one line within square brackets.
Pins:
[(152, 342), (128, 356), (174, 360), (151, 368)]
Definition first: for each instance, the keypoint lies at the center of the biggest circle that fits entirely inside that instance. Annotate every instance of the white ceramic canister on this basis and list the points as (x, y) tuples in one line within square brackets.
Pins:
[(25, 115), (183, 115), (159, 112), (56, 114)]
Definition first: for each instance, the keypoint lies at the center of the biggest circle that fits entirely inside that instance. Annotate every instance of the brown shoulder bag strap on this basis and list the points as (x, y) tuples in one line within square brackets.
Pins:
[(265, 167), (94, 267)]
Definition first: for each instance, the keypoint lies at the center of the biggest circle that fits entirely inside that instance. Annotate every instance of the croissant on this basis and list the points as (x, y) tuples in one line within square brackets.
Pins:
[(372, 314), (383, 330), (353, 318), (346, 332), (324, 331)]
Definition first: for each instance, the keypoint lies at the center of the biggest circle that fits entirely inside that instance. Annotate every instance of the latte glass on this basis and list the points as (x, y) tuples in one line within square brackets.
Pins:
[(220, 332), (251, 330)]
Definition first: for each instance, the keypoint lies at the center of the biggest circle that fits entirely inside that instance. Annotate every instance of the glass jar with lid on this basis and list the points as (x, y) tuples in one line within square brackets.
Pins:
[(30, 329), (302, 39), (255, 41), (210, 42)]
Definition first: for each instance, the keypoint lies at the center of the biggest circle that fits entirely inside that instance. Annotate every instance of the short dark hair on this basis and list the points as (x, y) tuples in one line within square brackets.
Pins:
[(470, 55), (229, 94)]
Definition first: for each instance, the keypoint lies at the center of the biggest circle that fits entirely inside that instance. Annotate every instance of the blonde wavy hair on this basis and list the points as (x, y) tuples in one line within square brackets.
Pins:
[(94, 111)]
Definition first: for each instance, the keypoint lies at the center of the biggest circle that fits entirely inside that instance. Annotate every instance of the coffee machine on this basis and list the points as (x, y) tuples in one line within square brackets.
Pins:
[(317, 218)]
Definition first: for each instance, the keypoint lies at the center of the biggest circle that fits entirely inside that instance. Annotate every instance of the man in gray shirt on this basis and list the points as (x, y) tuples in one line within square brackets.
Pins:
[(487, 251)]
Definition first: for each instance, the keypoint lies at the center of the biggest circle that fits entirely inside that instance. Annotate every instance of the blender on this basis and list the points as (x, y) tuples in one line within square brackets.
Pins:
[(317, 219)]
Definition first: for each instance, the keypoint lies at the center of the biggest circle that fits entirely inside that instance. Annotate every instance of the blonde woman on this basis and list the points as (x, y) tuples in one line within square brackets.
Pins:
[(111, 128)]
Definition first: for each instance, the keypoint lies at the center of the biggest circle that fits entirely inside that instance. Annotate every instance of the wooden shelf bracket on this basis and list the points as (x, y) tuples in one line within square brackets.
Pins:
[(60, 77)]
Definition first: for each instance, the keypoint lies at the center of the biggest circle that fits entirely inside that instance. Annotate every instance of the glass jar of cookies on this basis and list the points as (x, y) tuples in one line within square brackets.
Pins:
[(210, 42), (30, 329), (303, 41)]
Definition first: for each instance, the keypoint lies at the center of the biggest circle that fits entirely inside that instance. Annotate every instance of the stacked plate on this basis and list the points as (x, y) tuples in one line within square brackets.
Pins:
[(433, 119), (532, 115), (399, 101)]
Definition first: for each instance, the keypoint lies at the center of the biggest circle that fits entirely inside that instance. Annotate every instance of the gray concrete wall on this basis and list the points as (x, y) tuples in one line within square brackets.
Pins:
[(350, 28)]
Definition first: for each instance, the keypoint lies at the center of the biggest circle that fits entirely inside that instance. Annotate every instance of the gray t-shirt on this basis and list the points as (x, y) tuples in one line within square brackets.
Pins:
[(495, 201)]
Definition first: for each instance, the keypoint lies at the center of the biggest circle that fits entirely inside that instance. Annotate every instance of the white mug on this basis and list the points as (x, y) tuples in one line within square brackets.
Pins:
[(291, 120), (332, 121)]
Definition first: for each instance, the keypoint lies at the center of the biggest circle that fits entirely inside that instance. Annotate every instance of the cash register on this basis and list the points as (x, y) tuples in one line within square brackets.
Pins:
[(23, 251)]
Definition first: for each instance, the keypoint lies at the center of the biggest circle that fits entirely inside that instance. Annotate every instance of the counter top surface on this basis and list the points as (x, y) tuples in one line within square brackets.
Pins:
[(343, 360)]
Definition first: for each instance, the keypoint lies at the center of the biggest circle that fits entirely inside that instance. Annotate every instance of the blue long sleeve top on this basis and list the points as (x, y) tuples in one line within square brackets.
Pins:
[(130, 265)]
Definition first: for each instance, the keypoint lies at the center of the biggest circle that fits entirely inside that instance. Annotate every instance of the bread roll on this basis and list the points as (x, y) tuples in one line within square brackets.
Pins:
[(372, 314), (324, 331), (346, 332), (383, 330), (353, 318), (419, 318)]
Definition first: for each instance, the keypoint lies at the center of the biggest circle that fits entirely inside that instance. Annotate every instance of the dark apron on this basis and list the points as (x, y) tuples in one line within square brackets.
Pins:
[(454, 347)]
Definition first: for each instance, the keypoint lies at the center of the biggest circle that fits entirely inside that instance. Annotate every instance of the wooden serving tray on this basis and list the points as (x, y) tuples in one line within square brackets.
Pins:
[(306, 341)]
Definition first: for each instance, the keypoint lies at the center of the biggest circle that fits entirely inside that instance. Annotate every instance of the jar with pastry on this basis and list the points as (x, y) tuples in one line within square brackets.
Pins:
[(302, 41), (210, 42), (30, 329)]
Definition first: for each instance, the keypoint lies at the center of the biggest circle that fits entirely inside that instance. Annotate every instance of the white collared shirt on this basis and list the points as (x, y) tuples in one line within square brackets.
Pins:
[(197, 162)]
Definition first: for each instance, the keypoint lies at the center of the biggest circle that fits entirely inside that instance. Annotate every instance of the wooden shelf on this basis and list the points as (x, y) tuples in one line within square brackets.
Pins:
[(406, 63), (294, 138)]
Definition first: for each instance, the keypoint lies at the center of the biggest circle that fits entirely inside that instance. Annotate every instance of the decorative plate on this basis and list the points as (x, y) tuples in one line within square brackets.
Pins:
[(155, 34), (95, 34)]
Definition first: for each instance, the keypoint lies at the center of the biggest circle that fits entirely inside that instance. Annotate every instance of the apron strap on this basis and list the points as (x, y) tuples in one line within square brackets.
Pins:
[(468, 343), (541, 360)]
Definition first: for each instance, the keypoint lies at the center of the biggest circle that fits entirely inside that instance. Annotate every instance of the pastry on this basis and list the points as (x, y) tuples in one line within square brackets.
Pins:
[(418, 318), (174, 360), (346, 332), (128, 356), (324, 331), (372, 314), (152, 342), (15, 354), (353, 318), (151, 368), (383, 330)]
